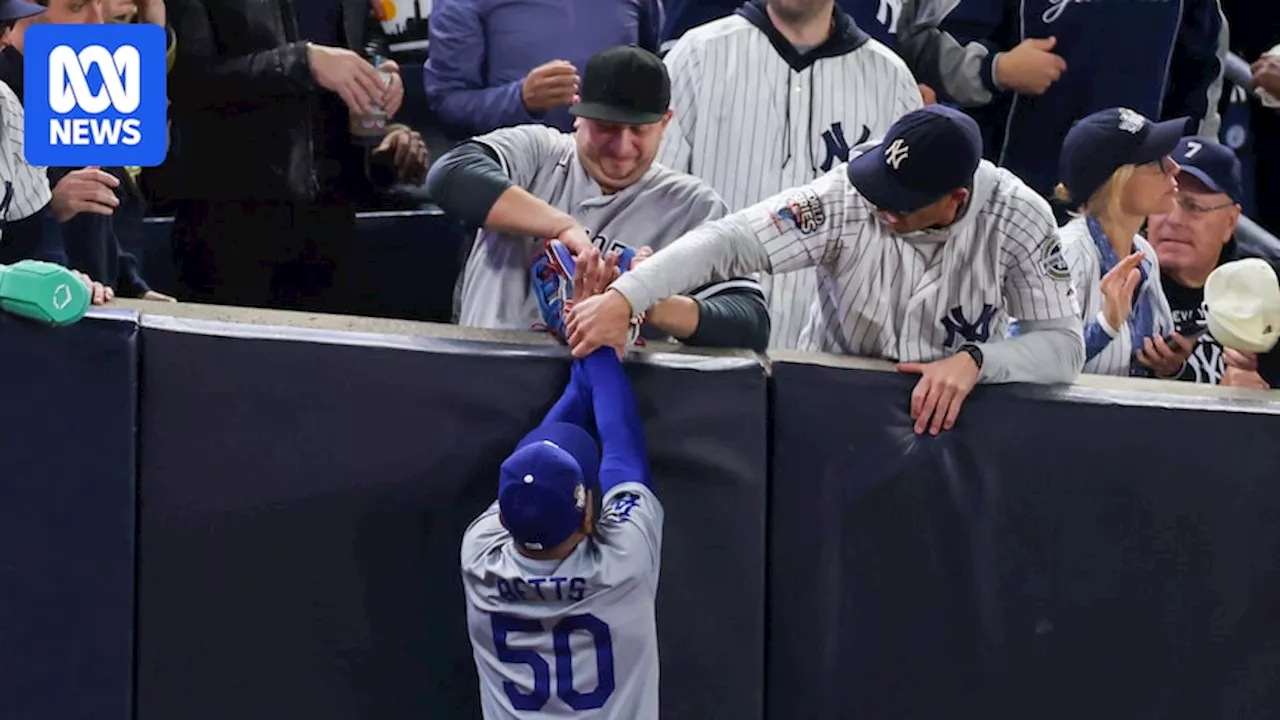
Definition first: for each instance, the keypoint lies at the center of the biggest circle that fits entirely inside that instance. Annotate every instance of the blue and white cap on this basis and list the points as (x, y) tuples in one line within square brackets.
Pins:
[(542, 486)]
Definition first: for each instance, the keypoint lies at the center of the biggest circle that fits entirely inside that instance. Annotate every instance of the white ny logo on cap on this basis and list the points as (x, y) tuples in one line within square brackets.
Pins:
[(896, 153)]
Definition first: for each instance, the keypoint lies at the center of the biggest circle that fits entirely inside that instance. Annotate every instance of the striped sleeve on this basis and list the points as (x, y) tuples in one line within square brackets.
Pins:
[(30, 184)]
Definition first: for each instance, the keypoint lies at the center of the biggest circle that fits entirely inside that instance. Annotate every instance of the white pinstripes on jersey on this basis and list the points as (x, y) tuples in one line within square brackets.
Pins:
[(30, 183), (750, 125), (918, 299), (1082, 256)]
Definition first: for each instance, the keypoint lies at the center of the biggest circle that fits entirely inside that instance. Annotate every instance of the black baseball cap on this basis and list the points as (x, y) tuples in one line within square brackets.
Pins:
[(1213, 164), (926, 155), (18, 9), (624, 84), (1099, 144)]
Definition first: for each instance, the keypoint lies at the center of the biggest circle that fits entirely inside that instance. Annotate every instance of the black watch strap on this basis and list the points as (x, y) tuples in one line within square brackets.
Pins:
[(974, 351)]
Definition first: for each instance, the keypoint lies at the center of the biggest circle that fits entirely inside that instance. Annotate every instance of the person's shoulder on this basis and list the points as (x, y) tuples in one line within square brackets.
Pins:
[(1076, 241), (1005, 195), (484, 536), (625, 501), (681, 187), (716, 31), (874, 51)]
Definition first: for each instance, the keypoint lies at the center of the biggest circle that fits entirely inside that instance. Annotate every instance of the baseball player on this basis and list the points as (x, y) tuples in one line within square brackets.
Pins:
[(771, 97), (923, 252), (597, 190), (560, 573), (1116, 169)]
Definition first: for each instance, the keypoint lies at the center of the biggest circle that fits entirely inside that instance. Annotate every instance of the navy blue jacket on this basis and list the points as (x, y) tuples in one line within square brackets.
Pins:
[(1162, 58)]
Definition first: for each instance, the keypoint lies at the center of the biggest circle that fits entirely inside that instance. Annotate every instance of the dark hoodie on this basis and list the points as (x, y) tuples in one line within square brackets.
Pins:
[(90, 239)]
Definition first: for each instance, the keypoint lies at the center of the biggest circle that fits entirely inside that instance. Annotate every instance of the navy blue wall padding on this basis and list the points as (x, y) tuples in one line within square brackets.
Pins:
[(303, 504), (1051, 558), (67, 501)]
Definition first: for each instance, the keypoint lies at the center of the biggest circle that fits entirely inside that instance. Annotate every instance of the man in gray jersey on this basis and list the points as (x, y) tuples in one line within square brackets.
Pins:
[(597, 190), (560, 573), (772, 97), (924, 252)]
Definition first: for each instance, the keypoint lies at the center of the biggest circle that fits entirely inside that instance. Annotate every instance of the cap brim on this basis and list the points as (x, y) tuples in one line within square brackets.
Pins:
[(609, 113), (870, 175), (1161, 140), (17, 10)]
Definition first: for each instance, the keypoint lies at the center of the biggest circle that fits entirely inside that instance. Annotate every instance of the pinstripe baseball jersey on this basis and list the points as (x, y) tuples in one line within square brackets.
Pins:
[(657, 209), (1086, 271), (26, 186), (754, 116), (574, 637), (912, 298)]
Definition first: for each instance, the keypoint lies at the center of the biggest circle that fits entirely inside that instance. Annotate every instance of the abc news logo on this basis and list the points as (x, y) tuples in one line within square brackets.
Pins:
[(121, 90), (96, 95)]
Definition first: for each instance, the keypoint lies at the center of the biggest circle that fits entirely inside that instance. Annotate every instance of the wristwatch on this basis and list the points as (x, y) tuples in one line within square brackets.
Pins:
[(974, 351)]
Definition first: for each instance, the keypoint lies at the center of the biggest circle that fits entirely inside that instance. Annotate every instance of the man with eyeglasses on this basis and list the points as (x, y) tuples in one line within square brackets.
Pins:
[(1192, 240)]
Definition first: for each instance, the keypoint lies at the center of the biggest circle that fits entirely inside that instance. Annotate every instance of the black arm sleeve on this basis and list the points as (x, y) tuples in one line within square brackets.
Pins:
[(466, 182), (731, 314), (35, 237)]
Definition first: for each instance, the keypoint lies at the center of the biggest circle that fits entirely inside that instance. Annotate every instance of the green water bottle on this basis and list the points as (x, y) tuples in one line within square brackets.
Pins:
[(43, 292)]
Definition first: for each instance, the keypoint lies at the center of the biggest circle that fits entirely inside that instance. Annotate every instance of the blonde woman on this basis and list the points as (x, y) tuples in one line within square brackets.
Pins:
[(1116, 168)]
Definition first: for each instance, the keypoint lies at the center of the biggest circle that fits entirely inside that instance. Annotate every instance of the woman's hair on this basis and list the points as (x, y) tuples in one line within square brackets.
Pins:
[(1106, 200)]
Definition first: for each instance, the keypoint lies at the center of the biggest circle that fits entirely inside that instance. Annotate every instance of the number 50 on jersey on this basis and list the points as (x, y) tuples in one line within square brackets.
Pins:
[(95, 95)]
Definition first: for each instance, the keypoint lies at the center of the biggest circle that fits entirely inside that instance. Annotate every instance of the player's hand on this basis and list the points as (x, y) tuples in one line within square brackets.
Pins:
[(1031, 67), (85, 190), (942, 389), (1117, 288), (550, 85), (393, 91), (409, 153), (927, 95), (1266, 74), (99, 294), (591, 279), (347, 74), (600, 321), (1164, 360)]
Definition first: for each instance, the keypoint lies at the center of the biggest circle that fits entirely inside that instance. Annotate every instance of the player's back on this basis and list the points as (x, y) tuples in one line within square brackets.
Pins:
[(570, 638)]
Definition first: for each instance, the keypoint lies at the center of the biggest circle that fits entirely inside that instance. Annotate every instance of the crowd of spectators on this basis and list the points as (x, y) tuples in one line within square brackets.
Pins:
[(269, 161)]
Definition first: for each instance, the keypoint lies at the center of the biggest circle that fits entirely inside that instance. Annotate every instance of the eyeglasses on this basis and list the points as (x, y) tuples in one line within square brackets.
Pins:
[(1191, 207), (1165, 165)]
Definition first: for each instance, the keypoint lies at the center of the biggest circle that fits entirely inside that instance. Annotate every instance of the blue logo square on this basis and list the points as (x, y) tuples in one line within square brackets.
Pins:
[(95, 95)]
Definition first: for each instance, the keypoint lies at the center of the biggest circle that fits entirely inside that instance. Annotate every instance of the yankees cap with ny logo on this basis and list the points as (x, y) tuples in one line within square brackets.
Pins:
[(927, 154)]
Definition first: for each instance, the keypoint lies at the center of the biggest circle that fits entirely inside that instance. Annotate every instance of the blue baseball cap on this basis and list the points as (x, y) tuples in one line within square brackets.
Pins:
[(1099, 144), (542, 486), (927, 154), (18, 9), (1213, 164)]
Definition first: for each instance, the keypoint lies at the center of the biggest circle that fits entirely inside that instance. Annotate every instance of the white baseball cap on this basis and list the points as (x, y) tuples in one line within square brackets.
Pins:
[(1242, 305)]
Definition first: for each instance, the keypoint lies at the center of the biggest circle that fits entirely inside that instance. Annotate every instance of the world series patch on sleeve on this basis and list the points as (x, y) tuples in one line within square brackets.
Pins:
[(804, 210)]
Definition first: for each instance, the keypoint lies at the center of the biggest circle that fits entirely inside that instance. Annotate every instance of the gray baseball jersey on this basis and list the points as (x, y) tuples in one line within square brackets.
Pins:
[(1082, 257), (913, 298), (658, 208), (751, 123), (30, 184), (573, 637)]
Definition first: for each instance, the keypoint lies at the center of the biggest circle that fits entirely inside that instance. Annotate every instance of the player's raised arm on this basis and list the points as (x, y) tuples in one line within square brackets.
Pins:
[(624, 457)]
